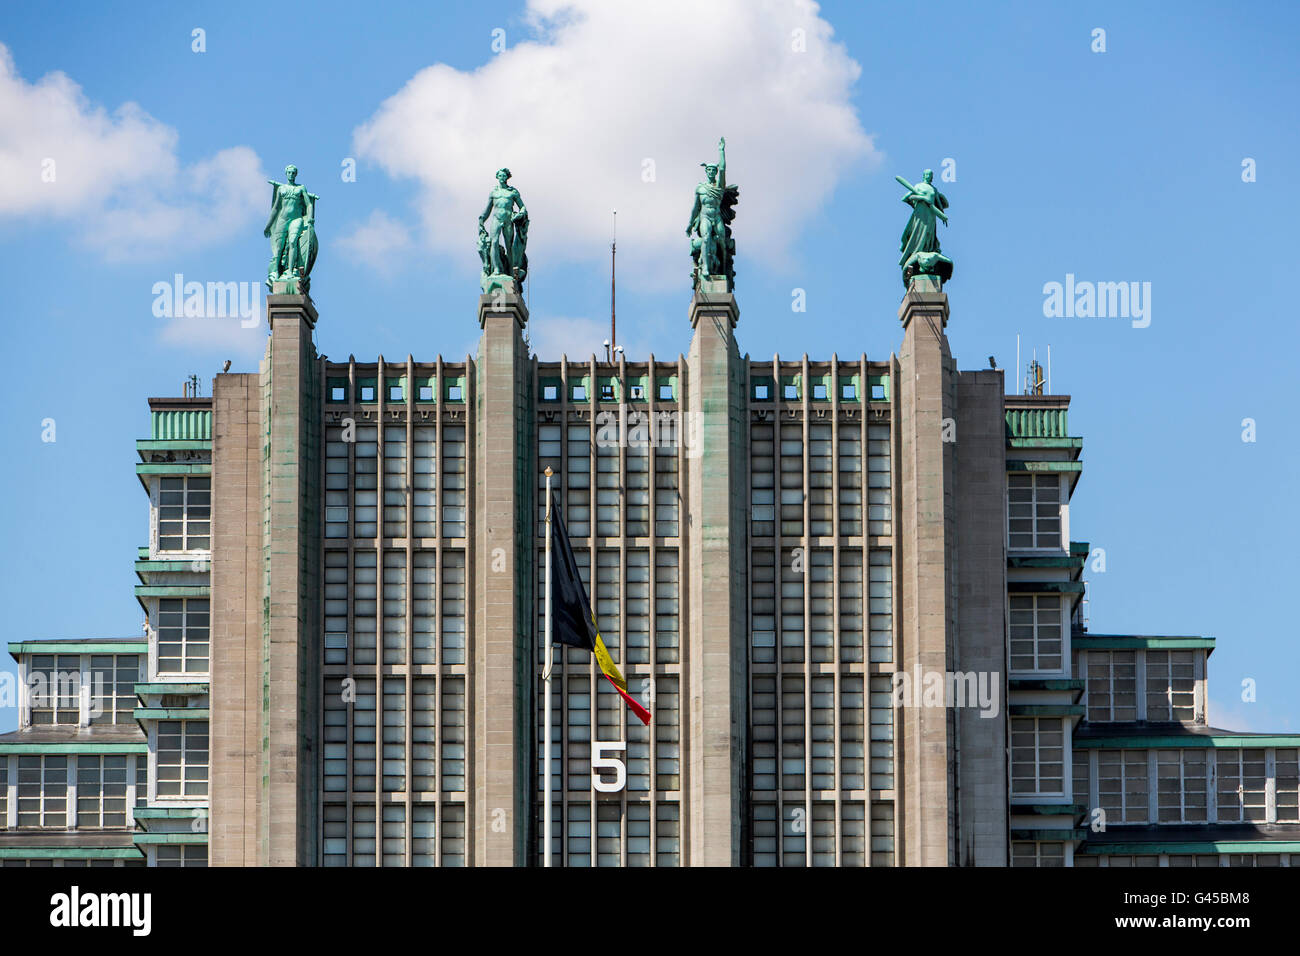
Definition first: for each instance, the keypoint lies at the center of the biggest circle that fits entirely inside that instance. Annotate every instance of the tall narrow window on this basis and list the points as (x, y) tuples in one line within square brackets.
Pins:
[(183, 635), (101, 792), (1037, 756), (1033, 511), (1112, 686), (182, 769), (1036, 632), (184, 514)]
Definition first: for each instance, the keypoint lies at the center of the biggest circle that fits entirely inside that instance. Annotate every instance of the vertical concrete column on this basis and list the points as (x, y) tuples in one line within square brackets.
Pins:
[(716, 527), (235, 729), (291, 421), (926, 396), (981, 626), (502, 769)]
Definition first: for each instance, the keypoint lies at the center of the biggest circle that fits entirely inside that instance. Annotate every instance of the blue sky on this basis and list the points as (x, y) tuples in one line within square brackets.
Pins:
[(1123, 165)]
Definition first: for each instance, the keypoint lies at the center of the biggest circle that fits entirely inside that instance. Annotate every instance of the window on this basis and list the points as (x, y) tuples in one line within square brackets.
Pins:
[(43, 792), (819, 391), (367, 393), (184, 514), (1171, 685), (1122, 785), (453, 481), (182, 755), (395, 489), (189, 854), (791, 393), (338, 393), (1033, 511), (1036, 632), (1112, 686), (878, 391), (54, 689), (455, 393), (1026, 853), (1287, 773), (1037, 756), (607, 392), (395, 393), (665, 393), (760, 392), (1181, 776), (879, 500), (183, 635), (578, 393), (116, 674), (426, 393), (849, 392), (637, 392), (1241, 785), (550, 393), (101, 792), (424, 466)]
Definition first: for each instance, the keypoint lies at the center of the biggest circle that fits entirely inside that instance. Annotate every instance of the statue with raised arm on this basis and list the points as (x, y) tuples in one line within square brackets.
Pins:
[(292, 231), (712, 248), (920, 243), (503, 237)]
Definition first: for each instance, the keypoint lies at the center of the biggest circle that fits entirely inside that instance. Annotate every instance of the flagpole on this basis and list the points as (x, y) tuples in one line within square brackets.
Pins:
[(546, 683)]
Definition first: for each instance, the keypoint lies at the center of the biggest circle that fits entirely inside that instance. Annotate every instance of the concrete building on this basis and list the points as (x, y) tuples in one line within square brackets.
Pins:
[(845, 587)]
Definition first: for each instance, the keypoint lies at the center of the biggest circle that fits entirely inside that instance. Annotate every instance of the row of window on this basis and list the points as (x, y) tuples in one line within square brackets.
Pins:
[(353, 503), (375, 749), (780, 490), (1221, 785), (1141, 685), (367, 393), (625, 502), (791, 392), (366, 607), (1042, 853), (808, 839), (55, 791), (435, 835), (55, 682), (607, 392)]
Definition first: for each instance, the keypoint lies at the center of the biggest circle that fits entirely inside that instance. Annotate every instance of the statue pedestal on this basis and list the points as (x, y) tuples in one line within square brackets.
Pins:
[(925, 283), (498, 282)]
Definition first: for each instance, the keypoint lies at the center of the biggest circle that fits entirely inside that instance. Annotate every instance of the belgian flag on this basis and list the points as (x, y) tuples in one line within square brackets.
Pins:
[(572, 622)]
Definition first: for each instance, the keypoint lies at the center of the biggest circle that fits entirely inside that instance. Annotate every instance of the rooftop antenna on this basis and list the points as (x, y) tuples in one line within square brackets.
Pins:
[(1034, 380), (613, 248)]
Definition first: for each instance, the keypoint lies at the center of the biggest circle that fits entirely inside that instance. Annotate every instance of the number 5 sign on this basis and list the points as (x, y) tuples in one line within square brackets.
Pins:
[(600, 762)]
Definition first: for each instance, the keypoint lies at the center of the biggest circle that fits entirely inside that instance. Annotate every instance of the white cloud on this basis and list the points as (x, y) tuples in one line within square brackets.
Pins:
[(116, 177), (607, 86), (380, 242)]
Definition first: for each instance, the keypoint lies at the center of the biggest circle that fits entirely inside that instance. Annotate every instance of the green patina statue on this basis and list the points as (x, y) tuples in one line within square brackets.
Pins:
[(292, 231), (503, 237), (713, 250), (920, 243)]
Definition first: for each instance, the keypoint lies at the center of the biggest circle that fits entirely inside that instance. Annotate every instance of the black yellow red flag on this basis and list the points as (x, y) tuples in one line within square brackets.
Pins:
[(572, 622)]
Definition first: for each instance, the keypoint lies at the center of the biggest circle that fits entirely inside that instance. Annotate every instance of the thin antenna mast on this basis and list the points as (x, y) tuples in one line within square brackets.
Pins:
[(613, 247)]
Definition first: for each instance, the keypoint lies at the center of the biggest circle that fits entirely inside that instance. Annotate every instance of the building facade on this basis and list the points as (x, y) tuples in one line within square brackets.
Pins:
[(846, 589)]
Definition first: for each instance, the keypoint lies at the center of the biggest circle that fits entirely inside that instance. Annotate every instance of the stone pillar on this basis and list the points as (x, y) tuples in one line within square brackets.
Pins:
[(235, 729), (716, 727), (926, 397), (501, 676), (981, 626), (291, 633)]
